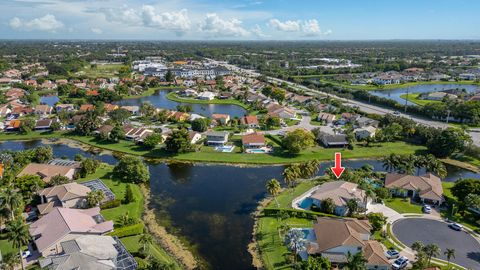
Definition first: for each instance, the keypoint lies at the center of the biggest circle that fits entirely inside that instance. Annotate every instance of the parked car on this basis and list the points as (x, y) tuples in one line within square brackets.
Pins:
[(392, 254), (26, 254), (455, 226), (396, 112), (427, 209), (400, 263)]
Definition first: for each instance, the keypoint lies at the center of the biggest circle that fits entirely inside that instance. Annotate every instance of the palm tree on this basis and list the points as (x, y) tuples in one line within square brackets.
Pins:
[(145, 241), (417, 246), (18, 235), (450, 253), (369, 193), (95, 197), (352, 207), (435, 166), (420, 162), (390, 163), (10, 261), (431, 250), (356, 262), (273, 187), (11, 200), (295, 242), (291, 174)]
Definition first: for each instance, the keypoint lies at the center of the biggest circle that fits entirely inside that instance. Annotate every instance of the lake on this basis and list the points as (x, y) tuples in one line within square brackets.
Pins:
[(395, 94), (210, 205), (159, 99), (50, 100)]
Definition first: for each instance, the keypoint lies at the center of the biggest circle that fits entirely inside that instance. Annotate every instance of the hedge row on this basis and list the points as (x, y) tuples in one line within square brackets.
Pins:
[(111, 204), (274, 212), (131, 230)]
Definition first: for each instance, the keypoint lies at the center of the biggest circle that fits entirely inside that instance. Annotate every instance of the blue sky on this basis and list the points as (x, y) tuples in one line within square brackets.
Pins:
[(240, 19)]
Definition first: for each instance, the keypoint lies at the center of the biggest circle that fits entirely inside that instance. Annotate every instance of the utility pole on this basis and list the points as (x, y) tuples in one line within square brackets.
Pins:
[(448, 115)]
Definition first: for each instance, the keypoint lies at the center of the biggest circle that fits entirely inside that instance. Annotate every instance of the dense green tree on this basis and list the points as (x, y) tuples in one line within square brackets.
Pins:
[(10, 261), (199, 125), (27, 125), (119, 116), (328, 206), (298, 140), (152, 140), (58, 180), (352, 206), (169, 76), (178, 142), (132, 170), (88, 166), (449, 141), (116, 134), (11, 200), (377, 220), (147, 109), (29, 185), (95, 197), (43, 154), (129, 197), (356, 261), (87, 124), (463, 187), (316, 263)]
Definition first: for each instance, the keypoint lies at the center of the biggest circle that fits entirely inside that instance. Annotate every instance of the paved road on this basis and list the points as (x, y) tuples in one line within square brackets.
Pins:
[(363, 106), (428, 231)]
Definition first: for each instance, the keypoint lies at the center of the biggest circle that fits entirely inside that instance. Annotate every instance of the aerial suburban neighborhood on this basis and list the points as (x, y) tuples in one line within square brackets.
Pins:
[(171, 135)]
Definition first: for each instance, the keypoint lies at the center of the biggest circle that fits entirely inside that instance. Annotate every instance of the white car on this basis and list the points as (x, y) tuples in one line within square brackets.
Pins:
[(26, 254), (427, 209), (392, 254), (400, 263), (455, 226)]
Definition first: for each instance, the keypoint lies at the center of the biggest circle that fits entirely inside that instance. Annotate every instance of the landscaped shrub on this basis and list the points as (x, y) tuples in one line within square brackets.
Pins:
[(132, 230), (274, 212), (111, 204)]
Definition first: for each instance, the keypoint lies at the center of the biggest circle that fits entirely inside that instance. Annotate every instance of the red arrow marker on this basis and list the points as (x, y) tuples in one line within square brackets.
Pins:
[(338, 169)]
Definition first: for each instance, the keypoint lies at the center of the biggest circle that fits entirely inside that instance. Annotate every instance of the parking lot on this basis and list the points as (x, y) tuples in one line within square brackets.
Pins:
[(467, 248)]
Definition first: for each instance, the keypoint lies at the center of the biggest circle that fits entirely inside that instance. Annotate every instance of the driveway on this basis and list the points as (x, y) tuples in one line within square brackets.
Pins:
[(388, 212), (429, 231)]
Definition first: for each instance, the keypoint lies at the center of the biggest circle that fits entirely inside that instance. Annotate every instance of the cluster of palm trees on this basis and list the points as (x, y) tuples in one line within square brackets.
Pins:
[(294, 172), (17, 230), (425, 253), (409, 164)]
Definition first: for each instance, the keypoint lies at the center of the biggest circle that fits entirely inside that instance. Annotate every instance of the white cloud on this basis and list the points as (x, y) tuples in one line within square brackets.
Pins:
[(147, 16), (287, 26), (307, 27), (46, 23), (97, 31), (218, 27), (258, 31)]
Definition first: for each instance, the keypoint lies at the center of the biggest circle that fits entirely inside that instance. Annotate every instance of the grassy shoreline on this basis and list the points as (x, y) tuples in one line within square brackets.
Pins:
[(387, 87), (173, 97)]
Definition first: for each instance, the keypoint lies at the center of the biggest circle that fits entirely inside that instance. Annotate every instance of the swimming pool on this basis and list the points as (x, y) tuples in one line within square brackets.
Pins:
[(257, 151), (306, 203), (225, 148)]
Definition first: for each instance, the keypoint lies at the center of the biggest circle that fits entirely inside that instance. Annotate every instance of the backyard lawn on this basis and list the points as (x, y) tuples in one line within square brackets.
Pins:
[(414, 99), (132, 244), (274, 252), (403, 205)]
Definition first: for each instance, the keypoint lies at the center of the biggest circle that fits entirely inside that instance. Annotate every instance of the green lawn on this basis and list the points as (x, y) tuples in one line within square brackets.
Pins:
[(273, 250), (414, 99), (5, 246), (132, 245), (403, 205), (286, 197), (101, 71), (447, 186), (118, 188), (30, 136), (173, 96)]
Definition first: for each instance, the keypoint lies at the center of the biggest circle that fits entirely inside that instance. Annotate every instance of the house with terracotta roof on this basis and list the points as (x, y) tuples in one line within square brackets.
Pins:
[(325, 117), (137, 134), (13, 125), (221, 119), (71, 195), (110, 107), (335, 238), (65, 224), (340, 192), (47, 171), (428, 187), (87, 107), (43, 110), (250, 121), (253, 141)]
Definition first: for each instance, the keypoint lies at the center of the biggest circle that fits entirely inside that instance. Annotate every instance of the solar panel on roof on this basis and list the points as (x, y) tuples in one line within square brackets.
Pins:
[(97, 184)]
